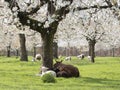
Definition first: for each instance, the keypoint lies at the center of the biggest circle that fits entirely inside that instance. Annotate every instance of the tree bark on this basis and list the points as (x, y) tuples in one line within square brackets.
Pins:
[(17, 53), (34, 51), (113, 52), (47, 39), (92, 50), (8, 51), (23, 52), (55, 50)]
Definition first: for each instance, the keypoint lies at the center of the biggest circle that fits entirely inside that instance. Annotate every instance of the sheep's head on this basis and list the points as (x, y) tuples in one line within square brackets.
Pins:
[(44, 69)]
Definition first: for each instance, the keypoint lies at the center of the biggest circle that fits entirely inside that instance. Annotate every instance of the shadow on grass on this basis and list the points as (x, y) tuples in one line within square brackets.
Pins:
[(104, 82)]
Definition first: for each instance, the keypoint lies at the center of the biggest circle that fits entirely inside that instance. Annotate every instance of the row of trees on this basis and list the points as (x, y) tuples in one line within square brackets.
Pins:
[(44, 16)]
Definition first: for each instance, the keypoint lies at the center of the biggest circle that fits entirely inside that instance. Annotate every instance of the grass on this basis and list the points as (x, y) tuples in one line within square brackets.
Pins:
[(104, 74)]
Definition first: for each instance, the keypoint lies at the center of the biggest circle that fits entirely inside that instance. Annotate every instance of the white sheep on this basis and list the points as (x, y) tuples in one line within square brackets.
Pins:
[(43, 70), (68, 58), (53, 73), (89, 58), (46, 70), (81, 56), (38, 57)]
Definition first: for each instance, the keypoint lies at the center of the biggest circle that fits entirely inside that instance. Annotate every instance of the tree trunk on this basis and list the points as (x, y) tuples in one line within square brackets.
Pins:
[(17, 53), (113, 52), (8, 51), (55, 50), (92, 50), (23, 52), (68, 49), (34, 51), (47, 49)]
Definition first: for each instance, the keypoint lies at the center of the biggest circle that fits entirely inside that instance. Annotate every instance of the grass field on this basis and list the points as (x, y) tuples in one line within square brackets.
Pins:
[(104, 74)]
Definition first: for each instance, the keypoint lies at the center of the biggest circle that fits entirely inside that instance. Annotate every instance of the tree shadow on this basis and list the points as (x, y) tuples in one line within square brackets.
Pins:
[(103, 81)]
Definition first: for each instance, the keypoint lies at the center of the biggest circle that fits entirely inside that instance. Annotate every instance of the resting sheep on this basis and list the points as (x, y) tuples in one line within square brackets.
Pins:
[(45, 70), (53, 73)]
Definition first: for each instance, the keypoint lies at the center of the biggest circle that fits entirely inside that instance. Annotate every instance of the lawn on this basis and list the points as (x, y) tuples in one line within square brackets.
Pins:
[(104, 74)]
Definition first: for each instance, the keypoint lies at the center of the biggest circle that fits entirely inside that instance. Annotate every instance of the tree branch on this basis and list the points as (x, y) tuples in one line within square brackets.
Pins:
[(13, 3), (62, 12), (108, 2), (33, 24), (92, 7)]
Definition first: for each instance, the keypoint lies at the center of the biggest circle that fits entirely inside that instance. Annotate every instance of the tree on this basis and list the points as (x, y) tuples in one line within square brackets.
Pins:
[(55, 50), (25, 12), (33, 39), (93, 32), (67, 33), (23, 53), (94, 28), (52, 12), (112, 38), (67, 36)]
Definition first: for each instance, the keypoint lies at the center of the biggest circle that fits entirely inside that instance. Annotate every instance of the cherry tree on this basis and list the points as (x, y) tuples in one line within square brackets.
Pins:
[(44, 16), (93, 24), (112, 38), (33, 40), (93, 21), (66, 33)]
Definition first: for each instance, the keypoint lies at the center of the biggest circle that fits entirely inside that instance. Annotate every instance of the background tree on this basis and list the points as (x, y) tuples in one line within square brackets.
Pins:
[(50, 13), (92, 23), (67, 34), (23, 53), (112, 38)]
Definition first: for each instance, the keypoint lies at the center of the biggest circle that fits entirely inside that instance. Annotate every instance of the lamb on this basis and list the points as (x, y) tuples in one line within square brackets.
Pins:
[(46, 70), (53, 73), (81, 56)]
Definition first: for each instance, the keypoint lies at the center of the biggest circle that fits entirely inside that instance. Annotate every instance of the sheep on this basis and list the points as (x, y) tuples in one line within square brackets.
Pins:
[(38, 57), (53, 73), (43, 69), (46, 70), (68, 58), (89, 58), (81, 56)]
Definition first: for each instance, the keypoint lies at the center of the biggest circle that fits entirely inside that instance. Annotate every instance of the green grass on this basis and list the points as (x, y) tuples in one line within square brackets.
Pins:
[(104, 74)]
